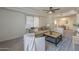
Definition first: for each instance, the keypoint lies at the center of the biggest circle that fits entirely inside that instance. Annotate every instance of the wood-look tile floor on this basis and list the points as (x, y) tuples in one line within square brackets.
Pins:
[(65, 45), (17, 44), (12, 45)]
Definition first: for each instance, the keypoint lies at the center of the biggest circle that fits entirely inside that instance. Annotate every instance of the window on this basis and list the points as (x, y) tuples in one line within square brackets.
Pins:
[(36, 21), (29, 21), (32, 21)]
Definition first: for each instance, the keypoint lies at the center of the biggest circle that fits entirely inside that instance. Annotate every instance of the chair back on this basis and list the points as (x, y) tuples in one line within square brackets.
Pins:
[(29, 40)]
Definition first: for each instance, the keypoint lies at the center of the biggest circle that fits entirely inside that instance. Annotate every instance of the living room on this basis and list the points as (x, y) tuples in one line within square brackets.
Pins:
[(18, 23)]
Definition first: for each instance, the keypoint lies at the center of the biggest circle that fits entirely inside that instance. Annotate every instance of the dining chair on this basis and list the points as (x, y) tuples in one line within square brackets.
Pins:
[(29, 44)]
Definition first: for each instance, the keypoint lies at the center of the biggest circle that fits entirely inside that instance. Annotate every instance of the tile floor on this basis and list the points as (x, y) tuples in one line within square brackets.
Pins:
[(17, 44)]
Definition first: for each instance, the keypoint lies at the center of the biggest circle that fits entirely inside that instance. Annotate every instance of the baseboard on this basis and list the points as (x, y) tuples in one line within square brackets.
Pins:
[(11, 38)]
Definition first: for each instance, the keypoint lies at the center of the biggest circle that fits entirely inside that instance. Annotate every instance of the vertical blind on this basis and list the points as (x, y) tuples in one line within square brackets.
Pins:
[(36, 21), (32, 21)]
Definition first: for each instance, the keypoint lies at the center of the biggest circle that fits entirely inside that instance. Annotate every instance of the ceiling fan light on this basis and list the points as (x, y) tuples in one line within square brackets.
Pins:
[(50, 12)]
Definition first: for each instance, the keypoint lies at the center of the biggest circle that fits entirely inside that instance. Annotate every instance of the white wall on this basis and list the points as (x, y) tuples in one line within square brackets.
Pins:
[(50, 21), (11, 24), (77, 20), (71, 19), (42, 21)]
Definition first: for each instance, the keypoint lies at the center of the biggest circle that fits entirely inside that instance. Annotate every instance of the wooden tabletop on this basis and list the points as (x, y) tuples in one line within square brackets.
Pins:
[(52, 34), (41, 32)]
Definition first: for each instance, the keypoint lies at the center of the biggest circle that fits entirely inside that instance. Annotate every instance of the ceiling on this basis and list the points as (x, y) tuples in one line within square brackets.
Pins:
[(39, 10), (62, 9)]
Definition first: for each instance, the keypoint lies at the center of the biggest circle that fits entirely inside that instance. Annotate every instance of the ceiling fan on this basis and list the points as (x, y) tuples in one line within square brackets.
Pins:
[(52, 10)]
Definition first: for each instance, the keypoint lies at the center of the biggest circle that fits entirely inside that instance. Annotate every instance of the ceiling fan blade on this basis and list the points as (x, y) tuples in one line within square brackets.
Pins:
[(57, 9), (53, 11), (45, 10)]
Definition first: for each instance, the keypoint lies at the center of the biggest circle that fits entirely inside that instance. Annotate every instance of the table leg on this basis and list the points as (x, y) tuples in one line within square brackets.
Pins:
[(56, 42)]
